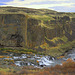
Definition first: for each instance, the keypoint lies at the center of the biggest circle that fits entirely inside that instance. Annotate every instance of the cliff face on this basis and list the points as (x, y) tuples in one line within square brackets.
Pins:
[(38, 35), (35, 28), (13, 30)]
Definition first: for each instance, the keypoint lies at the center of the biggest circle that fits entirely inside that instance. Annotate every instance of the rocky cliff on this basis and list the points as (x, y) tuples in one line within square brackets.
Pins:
[(13, 30), (39, 29)]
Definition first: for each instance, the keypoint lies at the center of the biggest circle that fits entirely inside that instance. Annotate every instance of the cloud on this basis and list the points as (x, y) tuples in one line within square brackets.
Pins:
[(54, 4), (2, 4), (31, 1), (6, 0), (65, 8), (39, 5)]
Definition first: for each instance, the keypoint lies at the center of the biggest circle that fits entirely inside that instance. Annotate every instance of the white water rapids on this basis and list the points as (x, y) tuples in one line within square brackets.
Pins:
[(40, 60)]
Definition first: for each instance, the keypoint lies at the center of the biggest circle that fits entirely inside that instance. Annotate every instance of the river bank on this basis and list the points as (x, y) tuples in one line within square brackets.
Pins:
[(32, 63), (35, 60)]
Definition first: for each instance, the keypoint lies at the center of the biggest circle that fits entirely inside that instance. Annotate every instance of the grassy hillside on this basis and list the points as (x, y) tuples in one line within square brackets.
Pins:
[(48, 31)]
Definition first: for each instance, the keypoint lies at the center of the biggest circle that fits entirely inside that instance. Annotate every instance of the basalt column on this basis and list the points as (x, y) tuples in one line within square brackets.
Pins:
[(13, 30)]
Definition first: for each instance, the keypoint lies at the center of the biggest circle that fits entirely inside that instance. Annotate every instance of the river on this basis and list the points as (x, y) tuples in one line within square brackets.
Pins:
[(39, 60)]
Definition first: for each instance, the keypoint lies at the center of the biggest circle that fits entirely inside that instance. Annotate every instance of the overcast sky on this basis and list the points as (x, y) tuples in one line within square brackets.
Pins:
[(58, 5)]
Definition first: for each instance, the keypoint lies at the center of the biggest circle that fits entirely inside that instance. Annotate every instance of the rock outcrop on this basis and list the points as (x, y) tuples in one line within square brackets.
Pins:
[(22, 27)]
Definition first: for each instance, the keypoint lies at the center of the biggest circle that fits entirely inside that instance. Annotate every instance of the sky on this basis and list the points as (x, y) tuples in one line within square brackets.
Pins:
[(58, 5)]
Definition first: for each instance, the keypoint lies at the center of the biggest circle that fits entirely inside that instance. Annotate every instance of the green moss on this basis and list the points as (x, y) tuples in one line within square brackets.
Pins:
[(68, 45), (25, 50), (5, 70), (71, 32), (64, 38), (60, 49), (42, 17)]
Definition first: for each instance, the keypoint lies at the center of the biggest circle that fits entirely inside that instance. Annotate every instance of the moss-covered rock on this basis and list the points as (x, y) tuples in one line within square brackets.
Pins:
[(39, 29)]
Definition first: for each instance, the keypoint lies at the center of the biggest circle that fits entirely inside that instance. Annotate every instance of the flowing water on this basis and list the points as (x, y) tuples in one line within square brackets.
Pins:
[(39, 60)]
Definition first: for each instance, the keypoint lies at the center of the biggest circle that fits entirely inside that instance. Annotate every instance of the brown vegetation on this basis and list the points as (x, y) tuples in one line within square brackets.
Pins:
[(67, 68)]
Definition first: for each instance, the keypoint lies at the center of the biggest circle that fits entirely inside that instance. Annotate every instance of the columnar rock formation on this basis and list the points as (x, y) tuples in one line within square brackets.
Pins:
[(23, 27), (13, 30)]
